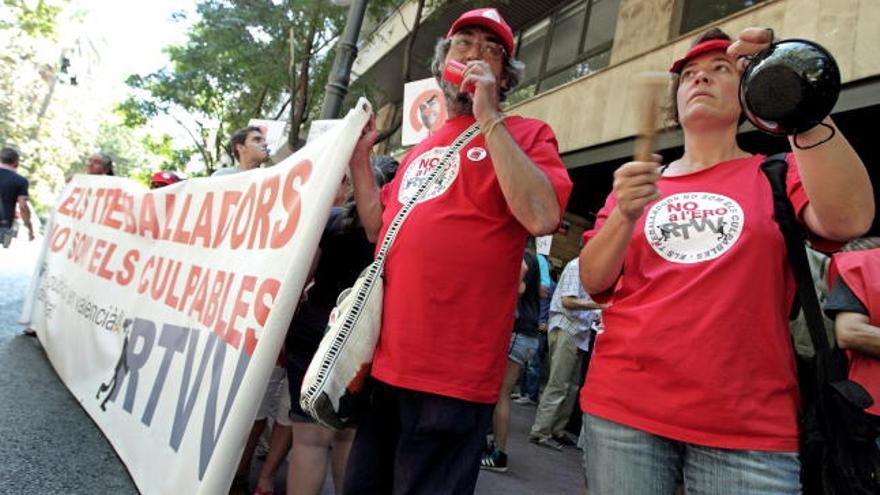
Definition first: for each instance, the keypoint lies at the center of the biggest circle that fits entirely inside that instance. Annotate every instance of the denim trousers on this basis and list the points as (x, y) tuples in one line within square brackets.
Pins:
[(620, 460), (530, 380)]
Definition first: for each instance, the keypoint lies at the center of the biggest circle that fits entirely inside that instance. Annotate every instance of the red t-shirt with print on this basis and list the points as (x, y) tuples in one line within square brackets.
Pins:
[(697, 345), (451, 276), (861, 272)]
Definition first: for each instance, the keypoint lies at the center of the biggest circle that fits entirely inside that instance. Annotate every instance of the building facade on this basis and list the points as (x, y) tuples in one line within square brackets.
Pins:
[(583, 56)]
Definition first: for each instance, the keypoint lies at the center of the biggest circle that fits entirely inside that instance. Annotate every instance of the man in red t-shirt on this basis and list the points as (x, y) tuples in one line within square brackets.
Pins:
[(451, 276)]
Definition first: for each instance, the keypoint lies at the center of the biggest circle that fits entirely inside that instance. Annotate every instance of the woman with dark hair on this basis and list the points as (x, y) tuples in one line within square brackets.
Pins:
[(694, 377), (344, 252)]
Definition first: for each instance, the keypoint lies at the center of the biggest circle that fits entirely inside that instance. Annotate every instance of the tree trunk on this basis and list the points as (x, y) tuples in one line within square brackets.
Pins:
[(291, 76), (260, 101), (301, 99)]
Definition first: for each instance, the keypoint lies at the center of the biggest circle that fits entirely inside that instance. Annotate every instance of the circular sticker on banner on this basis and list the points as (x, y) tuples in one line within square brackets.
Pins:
[(694, 227), (476, 154), (419, 169)]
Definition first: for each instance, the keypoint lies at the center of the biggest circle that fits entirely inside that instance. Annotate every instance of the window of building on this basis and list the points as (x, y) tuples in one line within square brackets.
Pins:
[(696, 13), (531, 48), (573, 41)]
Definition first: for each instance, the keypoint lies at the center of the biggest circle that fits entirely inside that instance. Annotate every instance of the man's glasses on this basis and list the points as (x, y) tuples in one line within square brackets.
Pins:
[(490, 50)]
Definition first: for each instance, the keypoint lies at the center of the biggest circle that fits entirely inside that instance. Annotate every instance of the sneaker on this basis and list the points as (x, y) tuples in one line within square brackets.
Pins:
[(549, 442), (515, 395), (489, 448), (495, 461), (525, 401), (564, 440)]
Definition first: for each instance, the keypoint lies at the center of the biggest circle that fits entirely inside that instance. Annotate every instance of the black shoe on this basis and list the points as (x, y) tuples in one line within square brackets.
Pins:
[(565, 440), (496, 461), (489, 448), (549, 442)]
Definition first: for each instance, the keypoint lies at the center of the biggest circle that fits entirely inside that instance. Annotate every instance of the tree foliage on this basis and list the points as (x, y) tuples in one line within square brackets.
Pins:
[(243, 59), (27, 121), (56, 125), (40, 20)]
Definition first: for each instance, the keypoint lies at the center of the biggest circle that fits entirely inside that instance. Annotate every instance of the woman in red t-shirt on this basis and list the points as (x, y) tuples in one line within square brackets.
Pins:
[(694, 378)]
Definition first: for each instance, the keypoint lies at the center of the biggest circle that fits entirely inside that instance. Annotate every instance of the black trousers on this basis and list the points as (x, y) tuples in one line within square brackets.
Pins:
[(417, 443)]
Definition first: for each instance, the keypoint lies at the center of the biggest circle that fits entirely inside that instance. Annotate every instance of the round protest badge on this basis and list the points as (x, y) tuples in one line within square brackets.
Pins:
[(420, 168), (476, 154), (693, 227)]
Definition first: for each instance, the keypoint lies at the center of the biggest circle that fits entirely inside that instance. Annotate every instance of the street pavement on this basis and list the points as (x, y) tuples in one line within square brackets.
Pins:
[(49, 445)]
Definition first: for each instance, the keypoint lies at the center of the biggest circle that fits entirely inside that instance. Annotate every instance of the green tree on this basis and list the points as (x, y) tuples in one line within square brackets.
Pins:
[(40, 20), (46, 136), (243, 59)]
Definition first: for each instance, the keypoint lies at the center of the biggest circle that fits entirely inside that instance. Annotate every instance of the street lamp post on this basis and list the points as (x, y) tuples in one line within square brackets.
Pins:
[(346, 52)]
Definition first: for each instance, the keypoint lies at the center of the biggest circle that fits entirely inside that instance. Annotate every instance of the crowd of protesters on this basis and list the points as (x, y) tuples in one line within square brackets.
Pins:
[(674, 343)]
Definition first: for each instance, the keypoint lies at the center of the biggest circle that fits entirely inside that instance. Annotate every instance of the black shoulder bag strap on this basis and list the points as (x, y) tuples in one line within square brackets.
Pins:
[(838, 454), (776, 169)]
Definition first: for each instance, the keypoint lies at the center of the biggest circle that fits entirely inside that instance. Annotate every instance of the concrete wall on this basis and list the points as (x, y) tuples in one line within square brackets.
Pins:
[(391, 32), (598, 108), (641, 26)]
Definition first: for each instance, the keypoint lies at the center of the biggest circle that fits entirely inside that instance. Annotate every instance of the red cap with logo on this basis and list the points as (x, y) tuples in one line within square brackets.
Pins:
[(487, 18), (165, 177), (697, 50)]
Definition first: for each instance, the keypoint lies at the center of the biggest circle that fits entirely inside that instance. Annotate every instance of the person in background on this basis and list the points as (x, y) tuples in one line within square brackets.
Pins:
[(530, 378), (344, 251), (13, 193), (572, 316), (854, 304), (523, 345), (99, 164), (163, 178), (248, 147)]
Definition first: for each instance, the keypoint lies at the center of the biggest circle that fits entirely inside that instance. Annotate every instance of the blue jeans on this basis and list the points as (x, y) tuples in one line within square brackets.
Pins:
[(530, 381), (621, 460), (522, 348)]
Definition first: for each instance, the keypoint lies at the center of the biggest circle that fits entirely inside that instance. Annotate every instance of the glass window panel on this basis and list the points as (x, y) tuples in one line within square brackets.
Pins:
[(698, 13), (603, 22), (521, 93), (567, 35), (531, 48), (588, 66)]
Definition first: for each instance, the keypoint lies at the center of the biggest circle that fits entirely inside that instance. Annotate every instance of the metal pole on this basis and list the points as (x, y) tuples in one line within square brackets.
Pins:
[(346, 52)]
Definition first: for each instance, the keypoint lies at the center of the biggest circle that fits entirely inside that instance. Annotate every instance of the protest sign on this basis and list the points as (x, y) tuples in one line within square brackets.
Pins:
[(164, 311), (424, 110)]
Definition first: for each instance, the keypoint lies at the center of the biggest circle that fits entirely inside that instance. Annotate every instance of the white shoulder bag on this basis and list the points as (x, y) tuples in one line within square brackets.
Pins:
[(333, 388)]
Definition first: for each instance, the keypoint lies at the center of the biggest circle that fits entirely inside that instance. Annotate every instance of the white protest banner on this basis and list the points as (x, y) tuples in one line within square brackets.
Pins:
[(164, 311), (424, 110), (320, 127)]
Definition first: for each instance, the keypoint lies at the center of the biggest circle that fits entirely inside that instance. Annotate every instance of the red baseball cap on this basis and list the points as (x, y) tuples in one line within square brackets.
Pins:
[(164, 177), (697, 50), (488, 18)]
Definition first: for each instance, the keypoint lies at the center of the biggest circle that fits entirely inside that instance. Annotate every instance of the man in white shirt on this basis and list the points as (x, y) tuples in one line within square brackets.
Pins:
[(572, 314)]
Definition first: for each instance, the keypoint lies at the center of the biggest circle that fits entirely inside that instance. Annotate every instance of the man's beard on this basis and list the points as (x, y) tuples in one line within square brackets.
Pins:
[(457, 103)]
